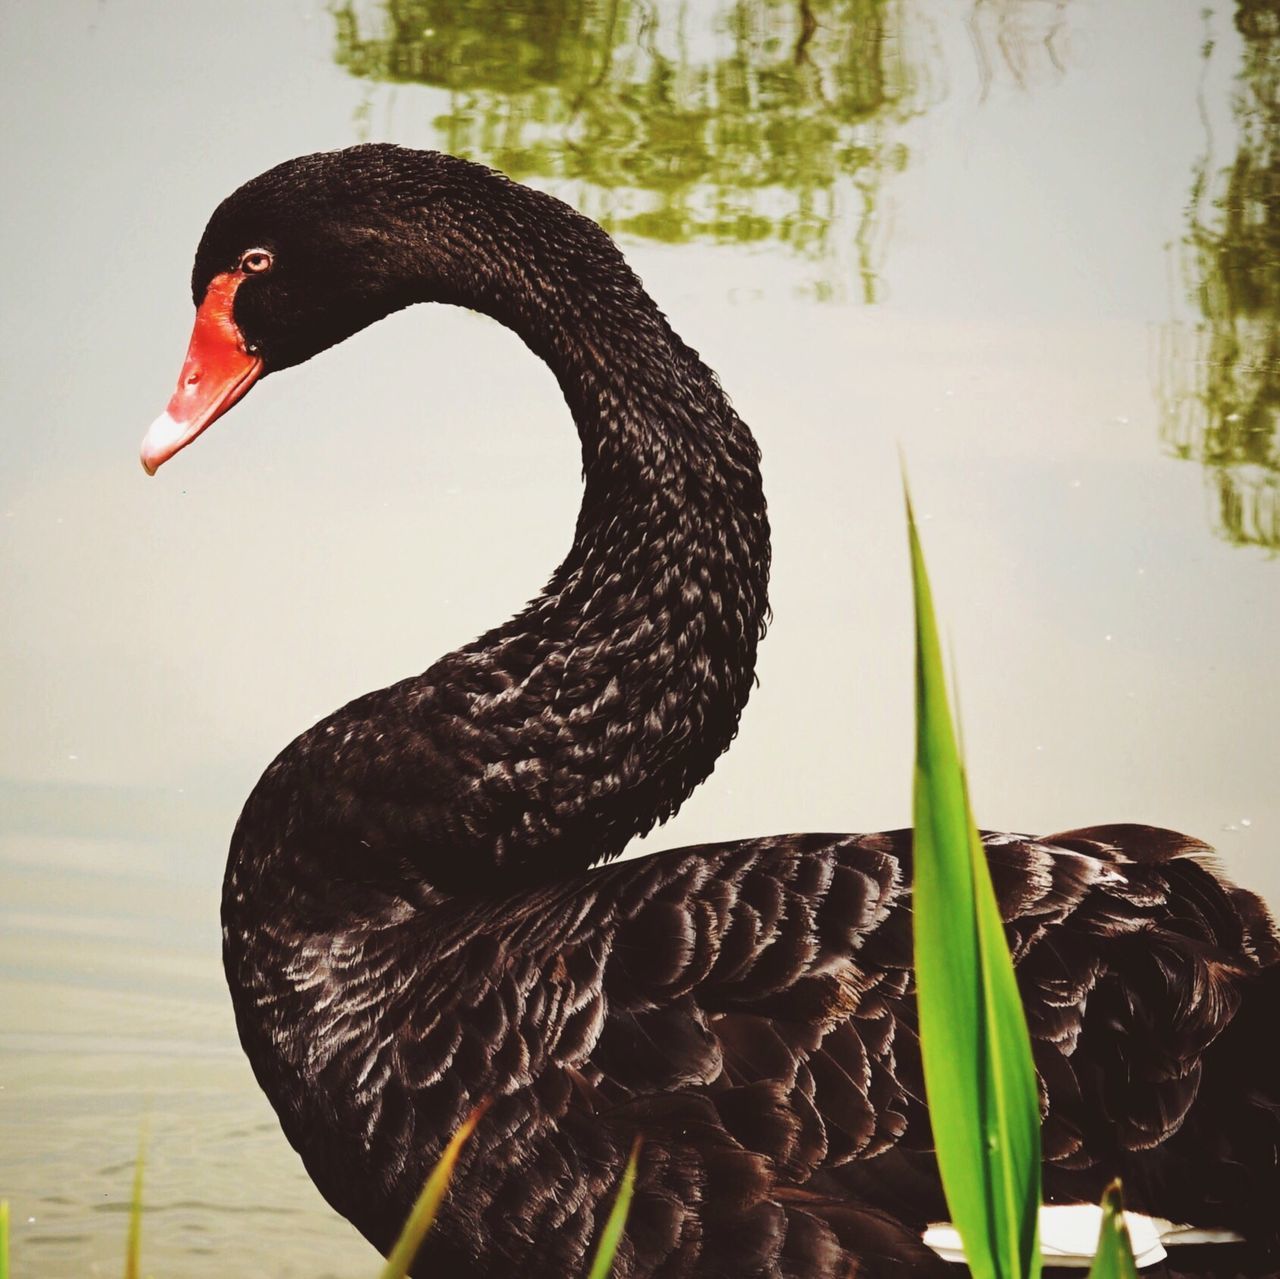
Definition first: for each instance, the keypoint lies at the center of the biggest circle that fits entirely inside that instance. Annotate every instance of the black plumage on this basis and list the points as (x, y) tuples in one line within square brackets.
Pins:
[(411, 917)]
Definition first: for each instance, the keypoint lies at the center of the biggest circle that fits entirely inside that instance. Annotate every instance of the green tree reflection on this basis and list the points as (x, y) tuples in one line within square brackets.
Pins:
[(749, 121), (1220, 385)]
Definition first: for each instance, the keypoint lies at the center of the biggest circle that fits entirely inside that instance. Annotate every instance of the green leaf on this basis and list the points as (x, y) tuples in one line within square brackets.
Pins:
[(1114, 1258), (428, 1203), (983, 1100), (133, 1241), (611, 1236), (4, 1239)]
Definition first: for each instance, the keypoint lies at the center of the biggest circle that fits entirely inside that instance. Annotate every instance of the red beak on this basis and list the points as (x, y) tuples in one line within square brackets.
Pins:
[(217, 372)]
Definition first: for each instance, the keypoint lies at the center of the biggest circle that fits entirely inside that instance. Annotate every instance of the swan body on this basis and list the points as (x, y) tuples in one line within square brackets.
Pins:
[(416, 912)]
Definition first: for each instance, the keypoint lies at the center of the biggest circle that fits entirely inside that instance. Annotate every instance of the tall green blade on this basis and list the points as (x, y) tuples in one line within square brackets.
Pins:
[(4, 1239), (428, 1203), (981, 1082), (133, 1240), (611, 1236), (1114, 1258)]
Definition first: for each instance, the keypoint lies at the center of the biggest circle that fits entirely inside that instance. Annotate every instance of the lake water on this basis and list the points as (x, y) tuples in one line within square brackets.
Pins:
[(1030, 245)]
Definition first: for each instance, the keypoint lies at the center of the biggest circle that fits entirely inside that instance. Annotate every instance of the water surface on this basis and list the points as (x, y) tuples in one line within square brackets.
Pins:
[(1031, 245)]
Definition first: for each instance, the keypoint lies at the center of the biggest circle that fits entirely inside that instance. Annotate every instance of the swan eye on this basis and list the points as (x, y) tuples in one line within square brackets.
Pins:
[(256, 262)]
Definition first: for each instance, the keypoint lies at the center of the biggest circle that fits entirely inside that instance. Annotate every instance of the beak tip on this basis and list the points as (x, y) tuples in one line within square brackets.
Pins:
[(164, 438)]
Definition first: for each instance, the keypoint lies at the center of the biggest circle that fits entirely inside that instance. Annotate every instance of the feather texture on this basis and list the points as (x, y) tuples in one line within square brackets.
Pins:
[(749, 1008)]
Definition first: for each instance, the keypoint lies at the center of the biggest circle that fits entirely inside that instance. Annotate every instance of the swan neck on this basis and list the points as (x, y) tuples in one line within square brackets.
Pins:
[(550, 742)]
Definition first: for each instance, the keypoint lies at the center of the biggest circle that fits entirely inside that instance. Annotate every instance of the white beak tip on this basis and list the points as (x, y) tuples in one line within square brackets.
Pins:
[(163, 439)]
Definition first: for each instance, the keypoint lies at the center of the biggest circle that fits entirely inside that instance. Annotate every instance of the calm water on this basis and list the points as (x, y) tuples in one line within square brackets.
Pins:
[(1032, 245)]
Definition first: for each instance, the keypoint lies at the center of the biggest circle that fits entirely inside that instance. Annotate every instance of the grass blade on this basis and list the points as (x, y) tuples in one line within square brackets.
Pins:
[(133, 1240), (983, 1100), (611, 1236), (428, 1203), (4, 1239), (1114, 1258)]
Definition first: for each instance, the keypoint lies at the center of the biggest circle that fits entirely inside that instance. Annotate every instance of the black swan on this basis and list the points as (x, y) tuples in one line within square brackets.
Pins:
[(411, 918)]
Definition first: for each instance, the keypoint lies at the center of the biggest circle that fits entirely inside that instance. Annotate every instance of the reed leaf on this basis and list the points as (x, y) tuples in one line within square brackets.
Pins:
[(981, 1083), (133, 1240), (611, 1236), (1114, 1258), (428, 1203)]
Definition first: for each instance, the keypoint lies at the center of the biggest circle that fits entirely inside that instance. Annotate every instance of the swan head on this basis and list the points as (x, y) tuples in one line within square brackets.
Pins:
[(305, 255)]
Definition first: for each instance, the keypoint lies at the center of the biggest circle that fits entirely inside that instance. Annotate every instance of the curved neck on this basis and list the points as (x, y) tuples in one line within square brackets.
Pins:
[(548, 743)]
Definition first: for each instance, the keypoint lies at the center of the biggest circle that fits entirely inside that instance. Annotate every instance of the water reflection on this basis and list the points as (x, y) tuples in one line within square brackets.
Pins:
[(1220, 382), (779, 122), (752, 121), (1024, 41)]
